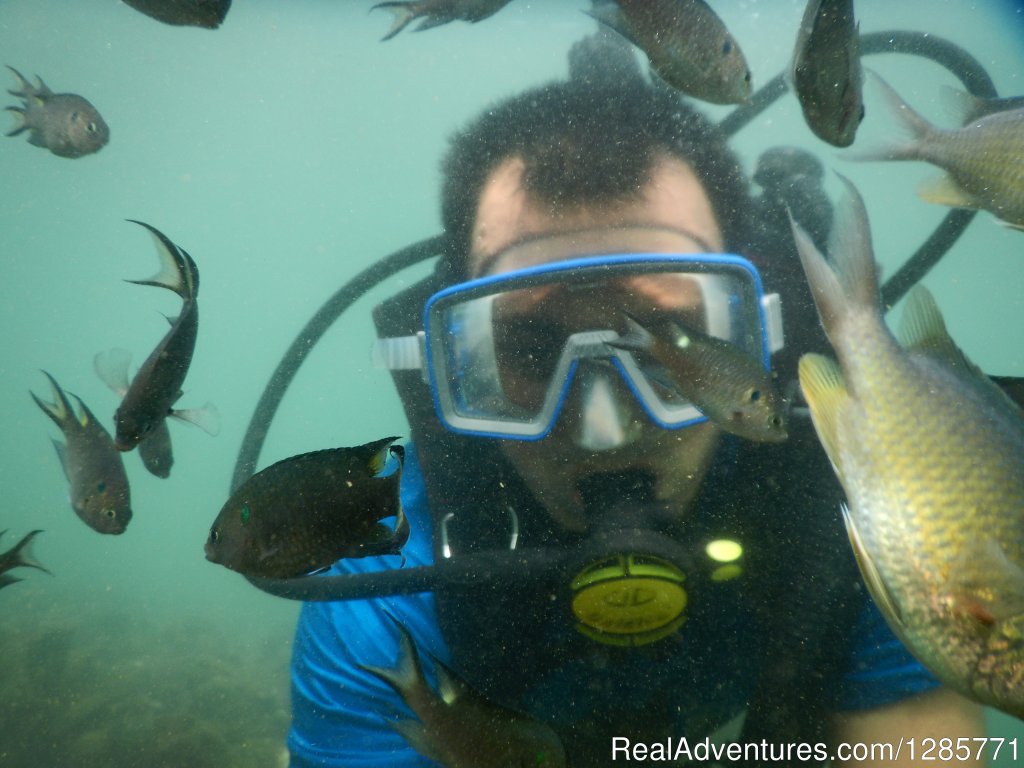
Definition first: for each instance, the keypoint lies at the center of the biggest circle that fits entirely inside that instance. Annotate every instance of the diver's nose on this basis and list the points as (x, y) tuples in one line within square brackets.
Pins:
[(606, 417)]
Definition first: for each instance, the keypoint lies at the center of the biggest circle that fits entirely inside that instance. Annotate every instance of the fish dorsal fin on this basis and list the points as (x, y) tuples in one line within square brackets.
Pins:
[(449, 687), (883, 597), (821, 381), (373, 455), (922, 330)]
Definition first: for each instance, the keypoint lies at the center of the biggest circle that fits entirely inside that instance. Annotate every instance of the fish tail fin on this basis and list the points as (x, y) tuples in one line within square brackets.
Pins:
[(637, 338), (21, 555), (22, 122), (112, 368), (850, 281), (177, 273), (84, 414), (407, 678), (59, 410), (403, 13), (26, 90), (6, 579), (823, 386), (916, 127)]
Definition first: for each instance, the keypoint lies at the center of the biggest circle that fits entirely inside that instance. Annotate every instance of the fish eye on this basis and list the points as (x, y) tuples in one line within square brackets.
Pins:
[(726, 47), (214, 535), (111, 513), (754, 395), (245, 514), (91, 127), (101, 487)]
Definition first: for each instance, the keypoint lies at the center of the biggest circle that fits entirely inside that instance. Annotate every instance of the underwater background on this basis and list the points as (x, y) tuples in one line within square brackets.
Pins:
[(287, 151)]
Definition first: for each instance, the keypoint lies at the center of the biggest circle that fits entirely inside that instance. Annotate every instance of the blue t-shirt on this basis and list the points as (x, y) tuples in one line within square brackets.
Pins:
[(342, 715)]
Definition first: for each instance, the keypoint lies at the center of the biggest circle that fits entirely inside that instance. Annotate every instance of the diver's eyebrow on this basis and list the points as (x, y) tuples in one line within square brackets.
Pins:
[(485, 264)]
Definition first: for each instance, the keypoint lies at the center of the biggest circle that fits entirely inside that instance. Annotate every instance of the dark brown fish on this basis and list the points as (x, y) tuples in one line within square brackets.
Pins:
[(95, 471), (826, 73), (434, 13), (18, 556), (457, 727), (687, 44), (208, 14), (727, 384), (64, 123), (155, 450), (157, 385), (305, 512)]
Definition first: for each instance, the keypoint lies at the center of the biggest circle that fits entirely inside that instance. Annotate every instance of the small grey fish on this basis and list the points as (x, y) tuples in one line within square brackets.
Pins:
[(687, 44), (64, 123), (208, 14), (156, 387), (155, 450), (98, 483), (984, 161), (969, 108), (729, 386), (457, 727), (826, 73), (305, 512), (18, 556), (434, 13)]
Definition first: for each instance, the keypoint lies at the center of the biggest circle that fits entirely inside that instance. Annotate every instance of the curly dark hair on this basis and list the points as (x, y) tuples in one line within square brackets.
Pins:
[(588, 142)]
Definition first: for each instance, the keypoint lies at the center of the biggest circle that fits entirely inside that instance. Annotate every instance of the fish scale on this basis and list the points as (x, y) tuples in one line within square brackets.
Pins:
[(931, 456)]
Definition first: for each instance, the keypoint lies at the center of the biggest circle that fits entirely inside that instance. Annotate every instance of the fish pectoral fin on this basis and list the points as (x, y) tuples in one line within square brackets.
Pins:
[(206, 418), (112, 368), (986, 584), (872, 578), (945, 191), (823, 387)]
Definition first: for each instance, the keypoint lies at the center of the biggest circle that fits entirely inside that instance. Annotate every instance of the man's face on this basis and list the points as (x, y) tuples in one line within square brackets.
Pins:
[(601, 429)]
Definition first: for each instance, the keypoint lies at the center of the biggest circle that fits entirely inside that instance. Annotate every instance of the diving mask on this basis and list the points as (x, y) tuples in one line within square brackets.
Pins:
[(500, 352)]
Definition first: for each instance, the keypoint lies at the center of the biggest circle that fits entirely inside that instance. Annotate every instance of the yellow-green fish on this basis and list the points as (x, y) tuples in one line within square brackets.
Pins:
[(728, 385), (983, 160), (687, 44), (931, 455), (305, 512), (457, 727)]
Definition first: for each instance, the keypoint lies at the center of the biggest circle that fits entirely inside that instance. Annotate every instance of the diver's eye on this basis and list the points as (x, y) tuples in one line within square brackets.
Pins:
[(245, 514)]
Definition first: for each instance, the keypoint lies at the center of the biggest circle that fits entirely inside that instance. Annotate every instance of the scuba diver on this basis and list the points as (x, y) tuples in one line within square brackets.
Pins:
[(706, 582)]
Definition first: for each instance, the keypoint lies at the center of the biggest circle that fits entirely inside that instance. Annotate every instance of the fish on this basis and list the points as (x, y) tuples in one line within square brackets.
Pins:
[(208, 14), (930, 454), (305, 512), (64, 123), (155, 450), (434, 13), (968, 108), (156, 387), (99, 490), (457, 727), (728, 385), (826, 74), (18, 556), (984, 161), (687, 45)]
